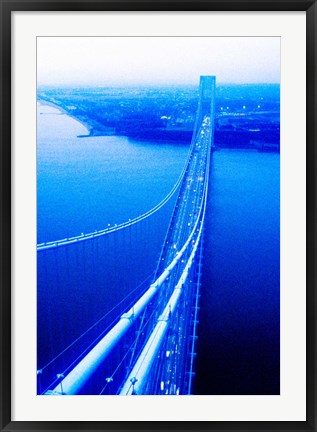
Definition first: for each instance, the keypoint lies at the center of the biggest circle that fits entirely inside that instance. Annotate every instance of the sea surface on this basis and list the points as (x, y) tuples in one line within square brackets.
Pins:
[(239, 331), (87, 184)]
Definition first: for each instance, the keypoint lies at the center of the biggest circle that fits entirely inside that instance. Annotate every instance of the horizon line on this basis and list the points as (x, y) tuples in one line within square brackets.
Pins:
[(153, 85)]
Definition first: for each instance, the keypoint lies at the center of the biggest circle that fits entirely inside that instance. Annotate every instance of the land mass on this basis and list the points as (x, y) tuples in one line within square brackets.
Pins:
[(247, 116)]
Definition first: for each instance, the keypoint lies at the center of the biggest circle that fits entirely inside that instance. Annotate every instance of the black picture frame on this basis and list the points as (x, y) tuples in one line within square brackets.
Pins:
[(7, 7)]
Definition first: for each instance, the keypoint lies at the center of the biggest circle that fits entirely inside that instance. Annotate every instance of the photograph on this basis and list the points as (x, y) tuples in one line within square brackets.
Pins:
[(158, 215)]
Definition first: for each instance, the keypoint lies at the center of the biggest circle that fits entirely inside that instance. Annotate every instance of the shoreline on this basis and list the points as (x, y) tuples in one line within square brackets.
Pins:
[(92, 132), (62, 110)]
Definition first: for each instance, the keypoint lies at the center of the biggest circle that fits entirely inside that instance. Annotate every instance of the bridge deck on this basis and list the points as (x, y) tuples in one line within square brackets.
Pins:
[(160, 357), (186, 223)]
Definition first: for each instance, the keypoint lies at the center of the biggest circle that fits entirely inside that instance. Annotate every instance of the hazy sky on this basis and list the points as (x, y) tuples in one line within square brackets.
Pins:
[(156, 60)]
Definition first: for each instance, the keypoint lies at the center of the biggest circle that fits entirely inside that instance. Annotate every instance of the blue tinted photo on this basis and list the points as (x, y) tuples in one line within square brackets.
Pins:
[(158, 216)]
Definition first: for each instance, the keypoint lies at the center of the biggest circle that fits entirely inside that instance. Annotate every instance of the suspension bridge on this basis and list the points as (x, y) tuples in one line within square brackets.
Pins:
[(107, 322)]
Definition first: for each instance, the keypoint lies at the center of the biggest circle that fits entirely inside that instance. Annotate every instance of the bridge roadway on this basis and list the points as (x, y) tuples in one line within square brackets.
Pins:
[(189, 199), (169, 289), (187, 210), (188, 214)]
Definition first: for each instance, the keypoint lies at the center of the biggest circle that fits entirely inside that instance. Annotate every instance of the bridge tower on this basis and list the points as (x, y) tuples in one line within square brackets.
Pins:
[(206, 104)]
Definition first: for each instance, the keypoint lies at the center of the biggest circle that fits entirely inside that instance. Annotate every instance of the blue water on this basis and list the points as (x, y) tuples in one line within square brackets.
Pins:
[(239, 333), (85, 184)]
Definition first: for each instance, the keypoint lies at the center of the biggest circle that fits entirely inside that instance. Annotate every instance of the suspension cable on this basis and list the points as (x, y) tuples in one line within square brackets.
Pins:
[(98, 322)]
